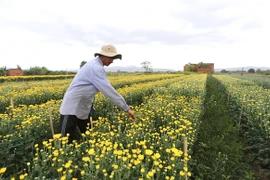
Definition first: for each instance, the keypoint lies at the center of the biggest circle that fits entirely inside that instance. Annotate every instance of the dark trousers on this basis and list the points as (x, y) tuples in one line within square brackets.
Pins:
[(69, 123)]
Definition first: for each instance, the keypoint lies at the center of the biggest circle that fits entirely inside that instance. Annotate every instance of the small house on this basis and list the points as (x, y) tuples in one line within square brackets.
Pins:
[(15, 72)]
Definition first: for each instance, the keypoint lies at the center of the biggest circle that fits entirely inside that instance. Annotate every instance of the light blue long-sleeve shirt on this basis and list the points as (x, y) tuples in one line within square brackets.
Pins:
[(90, 79)]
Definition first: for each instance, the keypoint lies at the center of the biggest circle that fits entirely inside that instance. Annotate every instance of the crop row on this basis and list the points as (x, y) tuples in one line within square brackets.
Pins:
[(37, 92), (251, 105), (262, 80), (5, 79), (152, 147)]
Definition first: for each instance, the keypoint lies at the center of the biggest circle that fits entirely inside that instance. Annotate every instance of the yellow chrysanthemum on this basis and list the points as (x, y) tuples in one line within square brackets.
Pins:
[(3, 170), (91, 151), (148, 152)]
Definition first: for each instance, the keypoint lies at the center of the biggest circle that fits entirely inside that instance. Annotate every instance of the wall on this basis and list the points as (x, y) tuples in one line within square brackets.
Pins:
[(14, 72), (201, 70)]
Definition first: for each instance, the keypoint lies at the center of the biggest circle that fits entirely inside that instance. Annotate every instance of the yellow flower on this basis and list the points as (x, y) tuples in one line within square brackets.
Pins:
[(115, 166), (21, 176), (60, 169), (148, 152), (181, 173), (86, 159), (91, 151), (156, 163), (82, 172), (136, 162), (141, 157), (56, 136), (124, 159), (142, 170), (149, 175), (56, 152), (3, 170), (157, 155), (67, 165)]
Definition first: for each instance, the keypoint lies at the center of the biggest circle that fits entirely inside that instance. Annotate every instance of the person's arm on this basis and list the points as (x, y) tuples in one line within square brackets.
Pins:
[(104, 86)]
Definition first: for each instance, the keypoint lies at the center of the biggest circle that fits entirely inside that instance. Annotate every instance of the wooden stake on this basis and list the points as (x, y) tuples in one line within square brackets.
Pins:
[(91, 122), (11, 102), (50, 115), (185, 144)]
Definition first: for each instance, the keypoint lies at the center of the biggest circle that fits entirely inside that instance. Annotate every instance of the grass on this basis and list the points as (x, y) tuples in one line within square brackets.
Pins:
[(219, 151)]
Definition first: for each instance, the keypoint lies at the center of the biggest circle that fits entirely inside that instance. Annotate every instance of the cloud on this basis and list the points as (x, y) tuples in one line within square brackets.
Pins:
[(63, 33)]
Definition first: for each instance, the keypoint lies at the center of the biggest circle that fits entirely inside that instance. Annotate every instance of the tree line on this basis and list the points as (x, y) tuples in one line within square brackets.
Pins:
[(36, 70)]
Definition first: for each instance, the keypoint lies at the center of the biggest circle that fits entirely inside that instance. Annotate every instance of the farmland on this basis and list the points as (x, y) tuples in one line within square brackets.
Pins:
[(189, 126)]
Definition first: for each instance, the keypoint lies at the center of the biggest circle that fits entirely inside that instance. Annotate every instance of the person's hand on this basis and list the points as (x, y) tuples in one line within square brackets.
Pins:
[(131, 114)]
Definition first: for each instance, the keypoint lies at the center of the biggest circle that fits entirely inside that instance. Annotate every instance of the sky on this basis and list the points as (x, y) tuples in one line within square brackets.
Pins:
[(60, 34)]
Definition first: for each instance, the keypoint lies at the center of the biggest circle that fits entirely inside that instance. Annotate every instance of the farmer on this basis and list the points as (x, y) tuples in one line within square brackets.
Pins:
[(79, 97)]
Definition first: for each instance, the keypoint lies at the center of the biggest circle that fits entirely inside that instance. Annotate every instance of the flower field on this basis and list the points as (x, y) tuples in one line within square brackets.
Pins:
[(156, 100), (37, 92), (158, 145)]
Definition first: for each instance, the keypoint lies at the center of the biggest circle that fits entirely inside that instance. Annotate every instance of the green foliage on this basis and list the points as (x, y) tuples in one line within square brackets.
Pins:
[(190, 68), (203, 65), (36, 71), (224, 71), (218, 153), (3, 70), (82, 63), (251, 71)]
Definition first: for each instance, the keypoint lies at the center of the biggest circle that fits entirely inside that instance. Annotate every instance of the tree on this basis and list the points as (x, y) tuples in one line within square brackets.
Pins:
[(3, 70), (82, 63), (147, 66), (37, 71), (190, 68), (223, 71), (202, 65), (251, 71), (258, 71)]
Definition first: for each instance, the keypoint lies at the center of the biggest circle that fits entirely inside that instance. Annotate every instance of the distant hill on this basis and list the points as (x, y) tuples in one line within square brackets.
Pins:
[(133, 69), (240, 68)]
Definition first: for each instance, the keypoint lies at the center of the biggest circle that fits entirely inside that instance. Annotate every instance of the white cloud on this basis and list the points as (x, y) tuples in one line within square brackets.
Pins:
[(60, 34)]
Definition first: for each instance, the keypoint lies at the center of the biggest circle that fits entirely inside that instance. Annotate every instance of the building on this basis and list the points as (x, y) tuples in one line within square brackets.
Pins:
[(201, 67), (15, 72)]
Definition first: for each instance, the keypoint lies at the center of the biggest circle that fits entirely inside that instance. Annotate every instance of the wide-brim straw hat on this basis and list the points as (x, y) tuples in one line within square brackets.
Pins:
[(109, 51)]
